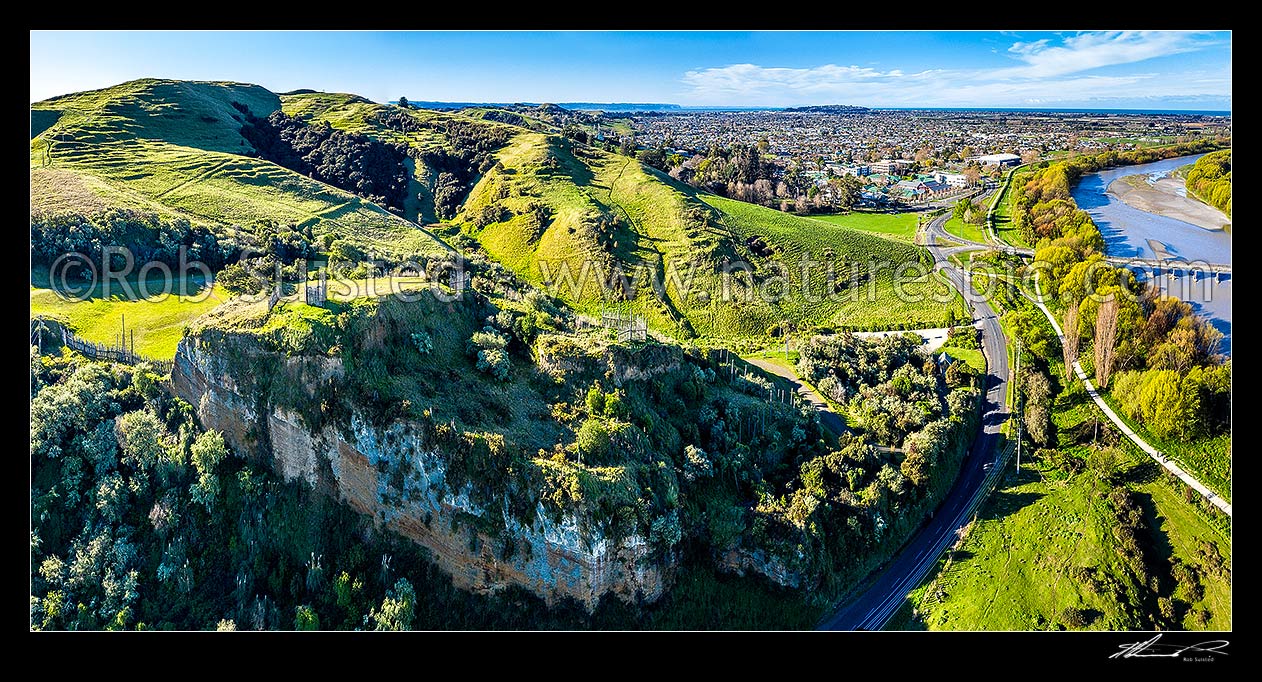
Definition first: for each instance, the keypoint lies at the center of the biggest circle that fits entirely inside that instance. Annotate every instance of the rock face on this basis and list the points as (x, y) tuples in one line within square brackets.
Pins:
[(394, 475)]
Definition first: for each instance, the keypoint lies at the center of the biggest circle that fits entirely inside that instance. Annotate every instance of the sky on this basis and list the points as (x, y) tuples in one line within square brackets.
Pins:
[(1096, 69)]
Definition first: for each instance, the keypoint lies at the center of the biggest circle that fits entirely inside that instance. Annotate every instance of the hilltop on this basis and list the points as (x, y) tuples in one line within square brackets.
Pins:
[(336, 172), (175, 148)]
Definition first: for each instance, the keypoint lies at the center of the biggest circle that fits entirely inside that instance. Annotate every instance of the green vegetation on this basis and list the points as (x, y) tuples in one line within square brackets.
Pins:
[(1005, 229), (1207, 457), (965, 230), (174, 148), (1091, 533), (1165, 356), (158, 321), (900, 226), (971, 356), (561, 214), (1209, 179), (1043, 553)]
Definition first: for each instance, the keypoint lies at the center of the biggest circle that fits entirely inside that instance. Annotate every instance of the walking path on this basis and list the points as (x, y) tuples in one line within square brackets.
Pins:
[(1117, 421)]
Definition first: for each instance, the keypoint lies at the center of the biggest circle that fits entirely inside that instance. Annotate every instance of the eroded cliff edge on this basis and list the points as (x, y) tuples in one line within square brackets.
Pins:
[(401, 474)]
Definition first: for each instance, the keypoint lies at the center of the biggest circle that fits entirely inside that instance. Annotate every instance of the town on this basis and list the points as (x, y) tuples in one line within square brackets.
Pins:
[(909, 156)]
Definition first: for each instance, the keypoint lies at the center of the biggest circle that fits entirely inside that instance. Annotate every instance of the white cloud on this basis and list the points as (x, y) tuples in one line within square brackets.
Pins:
[(1086, 51), (1049, 71)]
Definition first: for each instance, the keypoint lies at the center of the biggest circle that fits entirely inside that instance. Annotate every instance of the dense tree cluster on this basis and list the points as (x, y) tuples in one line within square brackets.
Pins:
[(356, 163), (1210, 179), (743, 172), (969, 212), (148, 236), (470, 152)]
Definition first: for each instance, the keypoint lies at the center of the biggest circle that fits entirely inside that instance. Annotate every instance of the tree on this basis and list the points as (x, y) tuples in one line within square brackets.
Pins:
[(398, 608), (1169, 405), (404, 103), (593, 439), (1105, 336), (1038, 423), (142, 438), (1071, 339), (305, 617), (207, 452)]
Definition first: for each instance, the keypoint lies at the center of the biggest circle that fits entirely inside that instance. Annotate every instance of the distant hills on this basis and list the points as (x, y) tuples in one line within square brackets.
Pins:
[(830, 109), (573, 106)]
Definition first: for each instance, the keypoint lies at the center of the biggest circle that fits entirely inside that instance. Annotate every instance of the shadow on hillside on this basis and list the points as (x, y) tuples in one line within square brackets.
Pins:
[(1144, 472)]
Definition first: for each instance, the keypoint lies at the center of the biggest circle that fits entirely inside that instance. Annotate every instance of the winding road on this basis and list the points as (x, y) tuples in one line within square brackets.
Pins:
[(882, 596)]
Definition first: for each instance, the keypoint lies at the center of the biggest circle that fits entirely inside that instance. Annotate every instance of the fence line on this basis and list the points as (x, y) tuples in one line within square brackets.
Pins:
[(98, 351)]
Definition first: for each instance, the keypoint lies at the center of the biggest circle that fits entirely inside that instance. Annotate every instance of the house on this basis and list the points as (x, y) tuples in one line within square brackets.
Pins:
[(954, 179), (998, 160), (935, 186), (914, 185), (911, 189)]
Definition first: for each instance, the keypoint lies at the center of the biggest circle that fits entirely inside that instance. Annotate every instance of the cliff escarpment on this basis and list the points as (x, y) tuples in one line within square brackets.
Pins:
[(290, 413)]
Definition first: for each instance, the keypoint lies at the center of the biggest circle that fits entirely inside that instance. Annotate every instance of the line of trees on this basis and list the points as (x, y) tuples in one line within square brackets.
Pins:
[(1151, 342), (149, 236), (1210, 180)]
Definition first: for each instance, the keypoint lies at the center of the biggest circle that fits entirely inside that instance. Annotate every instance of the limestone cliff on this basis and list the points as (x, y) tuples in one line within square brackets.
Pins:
[(398, 474)]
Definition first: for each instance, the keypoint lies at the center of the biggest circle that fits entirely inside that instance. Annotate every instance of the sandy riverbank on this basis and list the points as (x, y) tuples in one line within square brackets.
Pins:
[(1164, 198)]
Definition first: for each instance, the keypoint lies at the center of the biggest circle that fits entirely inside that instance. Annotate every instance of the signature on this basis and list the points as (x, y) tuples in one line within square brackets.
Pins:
[(1154, 649)]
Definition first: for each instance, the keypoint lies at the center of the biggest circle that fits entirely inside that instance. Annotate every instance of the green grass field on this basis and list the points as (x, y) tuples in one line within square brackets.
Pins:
[(1043, 544), (1003, 212), (894, 225), (966, 231), (972, 357), (158, 321), (174, 148)]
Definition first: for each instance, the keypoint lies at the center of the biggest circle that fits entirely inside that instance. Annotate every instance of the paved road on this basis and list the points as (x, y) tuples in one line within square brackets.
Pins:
[(882, 597), (1117, 421)]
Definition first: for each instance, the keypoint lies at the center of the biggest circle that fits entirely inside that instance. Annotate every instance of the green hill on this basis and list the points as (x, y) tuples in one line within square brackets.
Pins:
[(550, 207), (537, 202), (174, 148), (423, 130)]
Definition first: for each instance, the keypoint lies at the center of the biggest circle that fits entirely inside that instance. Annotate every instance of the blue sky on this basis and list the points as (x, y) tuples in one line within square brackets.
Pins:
[(1118, 69)]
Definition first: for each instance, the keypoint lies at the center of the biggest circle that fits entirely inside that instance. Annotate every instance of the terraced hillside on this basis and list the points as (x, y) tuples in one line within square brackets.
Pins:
[(542, 205), (174, 148), (571, 215)]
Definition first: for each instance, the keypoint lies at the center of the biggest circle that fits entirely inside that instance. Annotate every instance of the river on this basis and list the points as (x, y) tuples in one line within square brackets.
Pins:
[(1128, 230)]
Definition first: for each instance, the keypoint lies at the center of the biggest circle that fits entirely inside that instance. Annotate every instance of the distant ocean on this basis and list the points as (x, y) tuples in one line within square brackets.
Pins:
[(679, 108), (1084, 110)]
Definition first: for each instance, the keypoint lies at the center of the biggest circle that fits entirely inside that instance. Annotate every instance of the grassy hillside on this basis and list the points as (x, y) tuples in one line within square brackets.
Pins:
[(900, 226), (1043, 554), (549, 207), (174, 148), (158, 321)]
